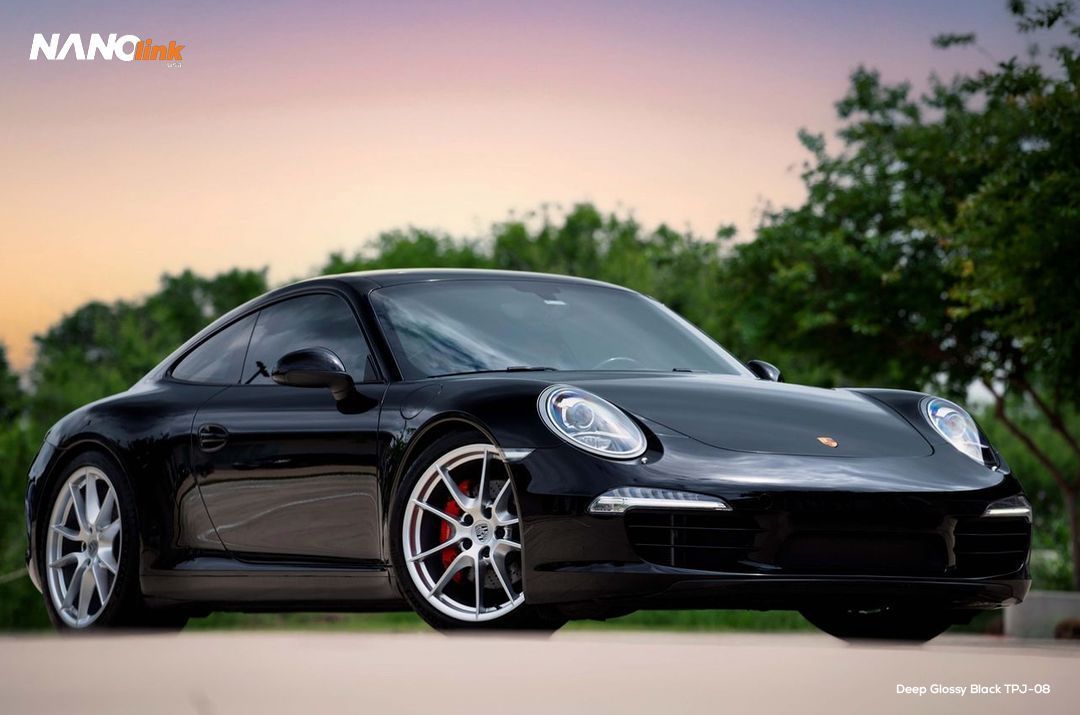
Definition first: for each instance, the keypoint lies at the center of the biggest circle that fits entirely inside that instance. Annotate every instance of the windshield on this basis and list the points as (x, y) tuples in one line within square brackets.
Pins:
[(453, 327)]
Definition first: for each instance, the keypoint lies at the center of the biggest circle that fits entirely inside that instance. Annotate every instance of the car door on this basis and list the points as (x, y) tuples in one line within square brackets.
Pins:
[(287, 471)]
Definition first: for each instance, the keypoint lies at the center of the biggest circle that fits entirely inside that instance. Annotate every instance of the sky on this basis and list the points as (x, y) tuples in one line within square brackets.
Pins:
[(291, 130)]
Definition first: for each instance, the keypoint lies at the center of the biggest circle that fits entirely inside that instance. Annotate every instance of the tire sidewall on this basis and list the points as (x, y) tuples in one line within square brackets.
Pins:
[(124, 599)]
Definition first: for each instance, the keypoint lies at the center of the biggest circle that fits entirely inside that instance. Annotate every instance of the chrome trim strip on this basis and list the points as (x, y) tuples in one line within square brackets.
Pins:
[(516, 455)]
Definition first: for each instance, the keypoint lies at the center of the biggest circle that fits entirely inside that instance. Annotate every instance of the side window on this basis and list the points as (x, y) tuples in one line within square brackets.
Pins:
[(220, 358), (310, 321)]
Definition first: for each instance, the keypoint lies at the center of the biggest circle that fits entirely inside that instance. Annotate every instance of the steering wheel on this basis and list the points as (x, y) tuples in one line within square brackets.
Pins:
[(607, 364)]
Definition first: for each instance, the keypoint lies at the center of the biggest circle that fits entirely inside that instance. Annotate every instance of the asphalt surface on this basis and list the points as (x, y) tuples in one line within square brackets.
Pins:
[(380, 674)]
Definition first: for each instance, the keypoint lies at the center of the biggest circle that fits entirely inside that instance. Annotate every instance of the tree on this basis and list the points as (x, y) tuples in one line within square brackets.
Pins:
[(938, 247), (11, 397), (680, 269), (101, 349)]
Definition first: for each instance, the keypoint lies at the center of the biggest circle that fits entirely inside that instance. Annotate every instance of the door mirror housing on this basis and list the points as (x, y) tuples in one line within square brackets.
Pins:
[(765, 370), (314, 367)]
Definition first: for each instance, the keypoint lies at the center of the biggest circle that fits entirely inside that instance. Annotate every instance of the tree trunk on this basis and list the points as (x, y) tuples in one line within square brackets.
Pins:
[(1072, 509)]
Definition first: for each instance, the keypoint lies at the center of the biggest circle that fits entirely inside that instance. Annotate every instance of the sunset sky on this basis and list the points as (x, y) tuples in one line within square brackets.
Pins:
[(293, 130)]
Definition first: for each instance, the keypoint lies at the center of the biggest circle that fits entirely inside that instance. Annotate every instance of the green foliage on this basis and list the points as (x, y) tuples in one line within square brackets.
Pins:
[(11, 397), (719, 621), (20, 603), (102, 349), (939, 243), (677, 268)]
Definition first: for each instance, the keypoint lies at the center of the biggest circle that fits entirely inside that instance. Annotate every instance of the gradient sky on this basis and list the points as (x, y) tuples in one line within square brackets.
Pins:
[(296, 129)]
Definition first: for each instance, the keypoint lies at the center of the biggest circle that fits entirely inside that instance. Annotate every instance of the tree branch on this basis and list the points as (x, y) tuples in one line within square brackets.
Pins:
[(1022, 435), (1054, 416)]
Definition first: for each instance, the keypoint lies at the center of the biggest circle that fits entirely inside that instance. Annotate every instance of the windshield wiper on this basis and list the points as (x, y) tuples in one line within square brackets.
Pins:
[(509, 368)]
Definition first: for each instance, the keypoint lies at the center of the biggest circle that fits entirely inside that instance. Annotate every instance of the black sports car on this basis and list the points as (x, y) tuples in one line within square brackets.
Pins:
[(511, 450)]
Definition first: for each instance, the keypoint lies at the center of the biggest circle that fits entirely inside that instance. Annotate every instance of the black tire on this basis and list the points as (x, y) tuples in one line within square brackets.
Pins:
[(523, 618), (912, 625), (125, 608), (161, 620)]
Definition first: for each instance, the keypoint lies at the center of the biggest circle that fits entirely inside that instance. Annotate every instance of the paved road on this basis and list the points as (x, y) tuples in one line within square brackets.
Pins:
[(384, 674)]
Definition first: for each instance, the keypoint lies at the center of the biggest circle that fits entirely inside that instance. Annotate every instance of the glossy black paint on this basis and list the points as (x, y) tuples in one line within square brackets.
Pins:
[(765, 370), (316, 368), (275, 497)]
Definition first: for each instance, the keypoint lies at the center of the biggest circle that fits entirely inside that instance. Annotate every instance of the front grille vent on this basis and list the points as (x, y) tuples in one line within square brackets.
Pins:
[(991, 546), (720, 541)]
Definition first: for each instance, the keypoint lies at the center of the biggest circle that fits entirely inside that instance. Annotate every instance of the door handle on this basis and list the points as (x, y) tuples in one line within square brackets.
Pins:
[(212, 437)]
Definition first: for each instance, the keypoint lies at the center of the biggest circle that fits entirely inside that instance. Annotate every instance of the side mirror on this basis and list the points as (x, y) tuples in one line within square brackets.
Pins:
[(765, 370), (314, 367)]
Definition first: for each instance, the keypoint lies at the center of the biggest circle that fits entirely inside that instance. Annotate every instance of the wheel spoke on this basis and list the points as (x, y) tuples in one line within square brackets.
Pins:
[(106, 509), (100, 581), (436, 511), (108, 558), (456, 565), (498, 563), (500, 508), (74, 586), (91, 504), (478, 577), (66, 532), (78, 507), (455, 491), (481, 490), (72, 558), (109, 532), (510, 544), (436, 549), (86, 593)]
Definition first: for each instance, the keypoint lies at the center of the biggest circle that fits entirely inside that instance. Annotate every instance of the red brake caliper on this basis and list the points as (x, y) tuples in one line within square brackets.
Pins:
[(446, 531)]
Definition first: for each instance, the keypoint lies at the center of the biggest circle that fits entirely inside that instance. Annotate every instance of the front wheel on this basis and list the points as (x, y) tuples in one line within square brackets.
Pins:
[(887, 623), (456, 540)]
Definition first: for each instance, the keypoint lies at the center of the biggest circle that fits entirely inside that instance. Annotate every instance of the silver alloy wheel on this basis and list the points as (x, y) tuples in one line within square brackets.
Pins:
[(82, 548), (463, 545)]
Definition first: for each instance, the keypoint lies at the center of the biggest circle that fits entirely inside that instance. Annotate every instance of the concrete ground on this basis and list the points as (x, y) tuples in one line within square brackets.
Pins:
[(380, 674)]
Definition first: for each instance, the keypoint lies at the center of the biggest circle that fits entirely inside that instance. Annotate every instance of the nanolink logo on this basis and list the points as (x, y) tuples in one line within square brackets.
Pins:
[(125, 48)]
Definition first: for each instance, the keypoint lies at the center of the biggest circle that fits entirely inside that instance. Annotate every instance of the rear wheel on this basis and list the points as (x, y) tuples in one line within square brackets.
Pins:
[(888, 623), (456, 539)]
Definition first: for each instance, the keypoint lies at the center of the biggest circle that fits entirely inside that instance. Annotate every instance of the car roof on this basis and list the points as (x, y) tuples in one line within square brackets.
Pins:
[(365, 281)]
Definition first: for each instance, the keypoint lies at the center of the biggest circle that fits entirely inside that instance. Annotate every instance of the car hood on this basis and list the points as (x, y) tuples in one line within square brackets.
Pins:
[(749, 415)]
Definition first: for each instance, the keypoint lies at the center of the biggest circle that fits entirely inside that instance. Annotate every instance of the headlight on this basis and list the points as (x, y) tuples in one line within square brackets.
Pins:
[(590, 422), (956, 426)]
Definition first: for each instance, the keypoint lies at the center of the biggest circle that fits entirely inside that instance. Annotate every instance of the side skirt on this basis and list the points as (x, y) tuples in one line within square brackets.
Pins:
[(229, 584)]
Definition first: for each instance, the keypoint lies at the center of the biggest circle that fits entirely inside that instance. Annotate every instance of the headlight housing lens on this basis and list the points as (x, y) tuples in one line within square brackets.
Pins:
[(1010, 506), (623, 499), (954, 424), (590, 423)]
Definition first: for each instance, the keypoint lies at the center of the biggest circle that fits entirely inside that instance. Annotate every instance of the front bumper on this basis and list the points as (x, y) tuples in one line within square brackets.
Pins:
[(784, 545), (43, 462), (616, 588)]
